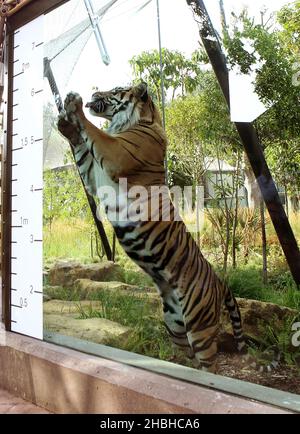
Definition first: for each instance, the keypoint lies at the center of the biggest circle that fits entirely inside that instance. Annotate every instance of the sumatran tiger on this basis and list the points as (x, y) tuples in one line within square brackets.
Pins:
[(134, 147)]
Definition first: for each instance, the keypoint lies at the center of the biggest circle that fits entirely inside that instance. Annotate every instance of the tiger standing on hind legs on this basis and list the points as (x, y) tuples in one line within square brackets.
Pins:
[(134, 148)]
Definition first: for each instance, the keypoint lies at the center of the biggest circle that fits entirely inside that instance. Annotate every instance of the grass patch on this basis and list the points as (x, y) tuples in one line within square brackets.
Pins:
[(144, 317), (272, 337), (67, 240), (133, 275), (72, 240), (246, 282), (61, 293)]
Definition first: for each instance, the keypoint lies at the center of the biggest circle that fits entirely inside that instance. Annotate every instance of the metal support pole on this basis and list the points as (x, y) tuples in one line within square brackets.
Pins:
[(161, 66), (251, 144), (162, 85), (98, 35), (58, 101)]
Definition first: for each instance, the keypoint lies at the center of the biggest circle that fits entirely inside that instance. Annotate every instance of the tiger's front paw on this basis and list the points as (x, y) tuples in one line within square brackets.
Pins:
[(68, 128), (73, 105)]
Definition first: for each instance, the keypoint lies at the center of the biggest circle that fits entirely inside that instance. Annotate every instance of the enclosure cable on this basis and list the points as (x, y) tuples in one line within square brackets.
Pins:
[(71, 15), (128, 13)]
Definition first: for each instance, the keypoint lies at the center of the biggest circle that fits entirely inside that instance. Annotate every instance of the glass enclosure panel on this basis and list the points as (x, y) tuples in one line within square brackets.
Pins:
[(116, 303)]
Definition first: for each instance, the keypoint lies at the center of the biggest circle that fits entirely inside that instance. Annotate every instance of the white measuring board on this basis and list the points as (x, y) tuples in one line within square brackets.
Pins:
[(27, 181)]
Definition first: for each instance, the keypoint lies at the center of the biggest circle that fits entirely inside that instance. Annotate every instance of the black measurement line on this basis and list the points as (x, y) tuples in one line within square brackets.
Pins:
[(16, 134), (40, 43), (17, 60), (15, 305), (17, 149), (16, 226), (38, 140), (15, 105), (14, 274), (38, 189), (38, 91), (38, 292), (14, 120), (15, 90), (13, 195), (12, 320), (13, 289), (19, 73), (14, 180), (14, 210), (14, 242), (16, 32), (17, 46), (38, 241), (13, 257), (15, 164)]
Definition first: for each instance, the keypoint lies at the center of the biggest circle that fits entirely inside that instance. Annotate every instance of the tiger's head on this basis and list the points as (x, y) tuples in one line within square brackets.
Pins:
[(124, 107)]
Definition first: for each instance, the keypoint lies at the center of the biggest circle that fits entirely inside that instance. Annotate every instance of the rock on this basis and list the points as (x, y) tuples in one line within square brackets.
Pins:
[(64, 273), (85, 287), (255, 316), (64, 317), (64, 307), (99, 330), (53, 292), (254, 311), (46, 297)]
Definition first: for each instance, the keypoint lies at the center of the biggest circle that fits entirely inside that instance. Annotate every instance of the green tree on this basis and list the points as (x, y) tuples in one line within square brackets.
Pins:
[(274, 52), (64, 197), (179, 72)]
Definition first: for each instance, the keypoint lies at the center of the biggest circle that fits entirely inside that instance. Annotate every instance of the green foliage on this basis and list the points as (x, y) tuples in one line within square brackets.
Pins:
[(67, 239), (281, 339), (133, 275), (286, 170), (246, 282), (272, 53), (184, 127), (289, 18), (64, 196), (198, 126), (255, 47), (179, 72), (60, 293)]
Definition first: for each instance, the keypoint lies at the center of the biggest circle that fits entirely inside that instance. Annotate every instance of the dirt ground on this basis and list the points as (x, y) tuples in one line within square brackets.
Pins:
[(283, 378)]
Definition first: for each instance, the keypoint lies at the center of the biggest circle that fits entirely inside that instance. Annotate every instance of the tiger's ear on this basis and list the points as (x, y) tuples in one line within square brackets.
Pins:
[(141, 91)]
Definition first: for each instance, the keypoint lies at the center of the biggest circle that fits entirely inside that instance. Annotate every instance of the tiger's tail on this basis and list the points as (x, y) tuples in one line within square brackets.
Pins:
[(236, 322)]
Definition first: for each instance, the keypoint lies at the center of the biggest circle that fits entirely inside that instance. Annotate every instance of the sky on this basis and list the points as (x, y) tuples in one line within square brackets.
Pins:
[(127, 32)]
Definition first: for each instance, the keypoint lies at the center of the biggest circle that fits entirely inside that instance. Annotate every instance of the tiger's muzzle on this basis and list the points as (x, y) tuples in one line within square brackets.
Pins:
[(98, 106)]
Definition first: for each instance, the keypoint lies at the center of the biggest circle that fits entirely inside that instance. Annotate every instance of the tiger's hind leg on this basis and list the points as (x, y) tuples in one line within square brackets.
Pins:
[(204, 345), (235, 318), (200, 346), (174, 322)]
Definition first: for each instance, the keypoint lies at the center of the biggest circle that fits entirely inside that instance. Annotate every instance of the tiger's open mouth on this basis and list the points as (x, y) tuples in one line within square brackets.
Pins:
[(98, 106)]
